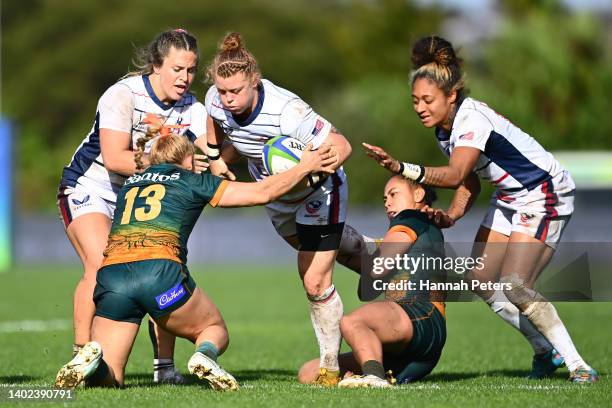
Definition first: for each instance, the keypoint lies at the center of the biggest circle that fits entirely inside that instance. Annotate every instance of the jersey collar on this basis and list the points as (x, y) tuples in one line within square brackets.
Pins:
[(256, 111), (154, 98), (441, 134)]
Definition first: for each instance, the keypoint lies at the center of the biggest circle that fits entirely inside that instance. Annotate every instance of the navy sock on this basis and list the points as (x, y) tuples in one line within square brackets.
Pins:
[(373, 367)]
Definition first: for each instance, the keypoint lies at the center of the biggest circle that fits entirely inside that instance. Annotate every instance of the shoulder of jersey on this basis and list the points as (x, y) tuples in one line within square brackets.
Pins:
[(470, 104), (211, 100), (275, 95), (137, 86), (135, 83)]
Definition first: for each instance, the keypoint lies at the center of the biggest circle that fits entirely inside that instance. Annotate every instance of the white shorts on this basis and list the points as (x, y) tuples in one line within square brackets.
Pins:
[(541, 213), (73, 202), (325, 206)]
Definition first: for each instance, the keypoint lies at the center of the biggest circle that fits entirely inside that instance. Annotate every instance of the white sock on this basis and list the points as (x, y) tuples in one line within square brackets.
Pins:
[(544, 316), (325, 313), (500, 304), (161, 364)]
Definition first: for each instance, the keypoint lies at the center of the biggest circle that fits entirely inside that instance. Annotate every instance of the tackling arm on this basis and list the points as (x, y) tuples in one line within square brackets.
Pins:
[(272, 187)]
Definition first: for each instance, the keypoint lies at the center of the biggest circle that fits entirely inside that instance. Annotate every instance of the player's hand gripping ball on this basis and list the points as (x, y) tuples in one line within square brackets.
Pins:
[(282, 153)]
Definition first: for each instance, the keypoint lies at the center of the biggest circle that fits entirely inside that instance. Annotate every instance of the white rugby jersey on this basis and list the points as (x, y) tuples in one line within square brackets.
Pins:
[(278, 113), (510, 159), (123, 107)]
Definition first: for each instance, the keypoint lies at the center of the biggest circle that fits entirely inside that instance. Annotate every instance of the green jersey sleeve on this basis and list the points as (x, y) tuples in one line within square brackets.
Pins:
[(208, 188)]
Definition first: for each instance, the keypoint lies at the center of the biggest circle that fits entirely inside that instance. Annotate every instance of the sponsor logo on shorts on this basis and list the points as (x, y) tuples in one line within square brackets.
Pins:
[(312, 208), (80, 202), (171, 296)]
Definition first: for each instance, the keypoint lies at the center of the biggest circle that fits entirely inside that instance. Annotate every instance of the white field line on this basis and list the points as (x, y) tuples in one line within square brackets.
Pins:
[(25, 326)]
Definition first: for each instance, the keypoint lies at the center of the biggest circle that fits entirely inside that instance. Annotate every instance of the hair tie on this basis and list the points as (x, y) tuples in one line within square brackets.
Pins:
[(180, 30)]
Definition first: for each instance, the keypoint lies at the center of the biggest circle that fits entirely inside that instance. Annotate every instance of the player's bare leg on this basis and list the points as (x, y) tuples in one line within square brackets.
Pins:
[(100, 363), (524, 261), (116, 340), (491, 246), (369, 330), (316, 268), (90, 247), (199, 321)]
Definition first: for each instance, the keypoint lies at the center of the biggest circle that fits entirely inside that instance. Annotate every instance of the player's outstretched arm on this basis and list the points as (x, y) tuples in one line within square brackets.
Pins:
[(272, 187), (461, 164)]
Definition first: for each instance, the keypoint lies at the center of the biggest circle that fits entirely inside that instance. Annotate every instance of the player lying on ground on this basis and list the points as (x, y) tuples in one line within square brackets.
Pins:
[(533, 202), (246, 110), (88, 188), (144, 269), (404, 333)]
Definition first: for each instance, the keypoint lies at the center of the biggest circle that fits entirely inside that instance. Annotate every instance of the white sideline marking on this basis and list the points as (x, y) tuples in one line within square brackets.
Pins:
[(23, 326)]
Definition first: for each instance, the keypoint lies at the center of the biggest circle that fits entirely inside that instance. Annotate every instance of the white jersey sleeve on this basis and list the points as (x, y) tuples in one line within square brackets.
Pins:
[(208, 99), (116, 108), (471, 129), (299, 121), (198, 119)]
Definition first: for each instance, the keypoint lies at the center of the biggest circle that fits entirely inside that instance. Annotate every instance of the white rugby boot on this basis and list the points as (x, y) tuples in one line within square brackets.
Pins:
[(80, 367), (207, 369)]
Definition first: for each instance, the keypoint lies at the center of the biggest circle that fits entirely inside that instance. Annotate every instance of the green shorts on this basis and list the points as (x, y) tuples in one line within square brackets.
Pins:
[(126, 292), (422, 354)]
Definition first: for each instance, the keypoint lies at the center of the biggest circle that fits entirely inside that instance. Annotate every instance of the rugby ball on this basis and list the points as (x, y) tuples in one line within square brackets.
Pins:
[(280, 154)]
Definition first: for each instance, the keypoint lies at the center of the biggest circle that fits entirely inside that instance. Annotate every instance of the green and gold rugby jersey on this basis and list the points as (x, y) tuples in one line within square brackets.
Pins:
[(156, 212), (428, 250)]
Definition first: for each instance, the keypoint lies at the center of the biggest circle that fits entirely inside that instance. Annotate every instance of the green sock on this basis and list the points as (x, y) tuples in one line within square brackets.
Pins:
[(373, 367), (209, 350)]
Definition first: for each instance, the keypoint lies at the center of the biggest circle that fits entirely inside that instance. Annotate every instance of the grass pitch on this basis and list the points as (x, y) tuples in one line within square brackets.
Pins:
[(484, 361)]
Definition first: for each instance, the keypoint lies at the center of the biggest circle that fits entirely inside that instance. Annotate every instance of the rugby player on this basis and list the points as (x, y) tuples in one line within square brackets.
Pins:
[(245, 111), (89, 184), (533, 202), (398, 339), (144, 269)]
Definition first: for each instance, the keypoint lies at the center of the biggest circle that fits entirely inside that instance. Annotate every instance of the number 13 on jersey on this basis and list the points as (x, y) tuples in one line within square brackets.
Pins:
[(153, 194)]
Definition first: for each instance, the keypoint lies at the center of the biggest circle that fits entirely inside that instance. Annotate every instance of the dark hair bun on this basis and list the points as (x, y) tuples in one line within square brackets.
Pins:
[(231, 42), (433, 49)]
